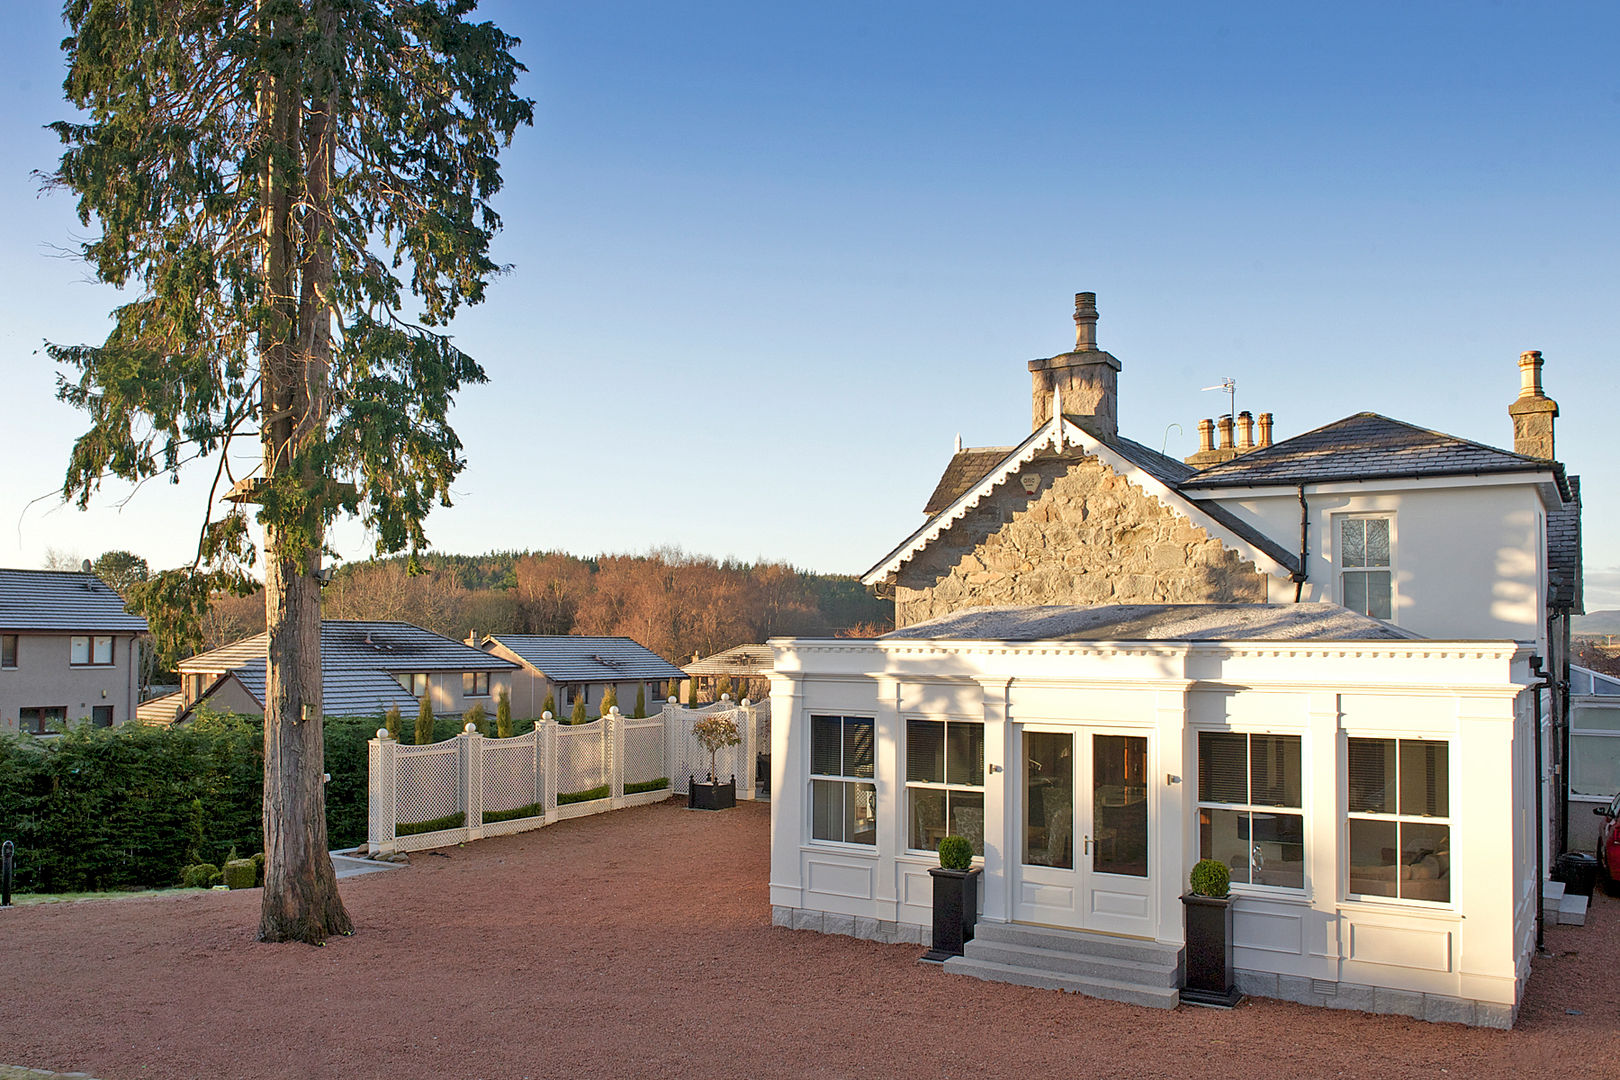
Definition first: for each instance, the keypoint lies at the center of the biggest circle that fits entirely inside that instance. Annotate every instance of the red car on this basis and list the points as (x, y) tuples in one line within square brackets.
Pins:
[(1608, 845)]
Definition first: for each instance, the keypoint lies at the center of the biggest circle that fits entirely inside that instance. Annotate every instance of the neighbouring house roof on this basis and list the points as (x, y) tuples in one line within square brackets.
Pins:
[(1366, 446), (1566, 587), (62, 600), (1153, 472), (747, 660), (568, 658), (1156, 622), (965, 469), (160, 710), (358, 662)]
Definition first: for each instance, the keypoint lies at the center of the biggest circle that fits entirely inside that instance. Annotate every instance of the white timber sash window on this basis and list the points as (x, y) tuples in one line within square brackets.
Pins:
[(1365, 565), (1250, 808), (1399, 798), (944, 783), (843, 761)]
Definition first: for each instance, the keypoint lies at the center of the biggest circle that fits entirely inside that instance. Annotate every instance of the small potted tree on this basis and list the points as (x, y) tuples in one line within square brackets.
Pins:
[(1207, 907), (956, 898), (714, 733)]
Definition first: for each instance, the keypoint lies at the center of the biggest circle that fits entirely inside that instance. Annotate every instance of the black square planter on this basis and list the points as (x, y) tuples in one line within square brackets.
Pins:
[(705, 796), (956, 909), (1209, 978)]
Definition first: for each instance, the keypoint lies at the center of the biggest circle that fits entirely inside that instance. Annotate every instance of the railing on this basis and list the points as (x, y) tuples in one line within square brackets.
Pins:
[(470, 787)]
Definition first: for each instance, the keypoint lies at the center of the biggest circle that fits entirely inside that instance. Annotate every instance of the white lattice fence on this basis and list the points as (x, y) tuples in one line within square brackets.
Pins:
[(582, 758), (643, 751), (427, 787), (511, 781), (689, 759)]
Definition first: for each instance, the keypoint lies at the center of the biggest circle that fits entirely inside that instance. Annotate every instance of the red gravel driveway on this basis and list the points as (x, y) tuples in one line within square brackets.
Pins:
[(639, 943)]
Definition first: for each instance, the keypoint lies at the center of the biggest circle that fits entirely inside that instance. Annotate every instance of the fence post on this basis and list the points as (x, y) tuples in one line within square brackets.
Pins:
[(613, 754), (745, 725), (382, 793), (472, 781), (547, 727)]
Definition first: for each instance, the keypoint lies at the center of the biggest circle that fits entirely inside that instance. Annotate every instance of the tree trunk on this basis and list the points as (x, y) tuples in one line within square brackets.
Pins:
[(301, 901)]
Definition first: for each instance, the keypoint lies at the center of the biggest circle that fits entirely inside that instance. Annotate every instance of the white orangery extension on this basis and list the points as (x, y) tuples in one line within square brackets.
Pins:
[(1371, 792)]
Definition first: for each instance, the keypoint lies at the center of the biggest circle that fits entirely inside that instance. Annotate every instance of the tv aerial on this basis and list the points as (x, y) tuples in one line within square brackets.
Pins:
[(1230, 386)]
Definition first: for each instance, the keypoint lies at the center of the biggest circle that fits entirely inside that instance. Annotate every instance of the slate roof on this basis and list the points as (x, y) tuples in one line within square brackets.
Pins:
[(965, 469), (1365, 446), (738, 660), (570, 658), (1156, 622), (62, 600), (1566, 588)]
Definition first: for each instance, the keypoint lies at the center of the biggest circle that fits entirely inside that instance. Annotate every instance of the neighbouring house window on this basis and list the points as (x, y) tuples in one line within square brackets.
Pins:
[(1594, 749), (8, 650), (92, 650), (843, 759), (574, 693), (41, 719), (101, 715), (1250, 807), (944, 782), (414, 682), (1399, 798), (475, 684), (1364, 566)]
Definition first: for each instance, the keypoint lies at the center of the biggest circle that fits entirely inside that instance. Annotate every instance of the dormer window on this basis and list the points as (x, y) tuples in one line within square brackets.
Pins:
[(1366, 565)]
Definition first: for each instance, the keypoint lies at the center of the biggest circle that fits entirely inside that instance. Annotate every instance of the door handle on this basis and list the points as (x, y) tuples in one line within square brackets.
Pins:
[(1087, 849)]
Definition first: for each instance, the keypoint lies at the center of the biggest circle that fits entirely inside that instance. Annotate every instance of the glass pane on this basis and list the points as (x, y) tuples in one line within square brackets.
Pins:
[(826, 810), (103, 650), (1425, 790), (1372, 776), (860, 813), (860, 743), (927, 813), (1274, 770), (1594, 765), (1373, 869), (1352, 542), (1377, 542), (964, 754), (1588, 717), (1426, 862), (826, 739), (1119, 806), (1278, 851), (1355, 591), (80, 651), (967, 817), (1049, 810), (1379, 605), (925, 752), (1223, 772), (468, 682), (8, 650), (1224, 835)]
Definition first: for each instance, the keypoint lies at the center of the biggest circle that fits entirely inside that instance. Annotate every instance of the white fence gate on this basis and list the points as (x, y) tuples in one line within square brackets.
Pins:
[(470, 786)]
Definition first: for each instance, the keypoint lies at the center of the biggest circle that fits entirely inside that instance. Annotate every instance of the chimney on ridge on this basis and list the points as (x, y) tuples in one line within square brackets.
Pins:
[(1533, 413), (1086, 379)]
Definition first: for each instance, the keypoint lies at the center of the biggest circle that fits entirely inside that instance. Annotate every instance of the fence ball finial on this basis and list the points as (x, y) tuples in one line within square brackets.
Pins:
[(745, 703), (725, 697), (470, 728), (546, 715), (614, 710), (382, 733), (673, 700)]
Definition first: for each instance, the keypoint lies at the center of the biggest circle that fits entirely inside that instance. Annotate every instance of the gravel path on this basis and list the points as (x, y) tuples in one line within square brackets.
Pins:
[(639, 943)]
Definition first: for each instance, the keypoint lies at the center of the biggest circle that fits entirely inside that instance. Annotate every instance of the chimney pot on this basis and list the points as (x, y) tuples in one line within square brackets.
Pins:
[(1245, 430), (1086, 377), (1529, 374), (1085, 322), (1533, 412), (1206, 436), (1265, 430), (1226, 432)]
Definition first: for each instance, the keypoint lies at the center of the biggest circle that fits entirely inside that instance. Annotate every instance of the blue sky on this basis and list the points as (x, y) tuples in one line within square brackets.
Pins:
[(769, 260)]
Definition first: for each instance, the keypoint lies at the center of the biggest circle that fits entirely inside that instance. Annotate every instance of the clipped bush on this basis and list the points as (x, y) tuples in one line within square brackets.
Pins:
[(198, 875), (240, 874), (641, 703), (610, 698), (691, 694), (1210, 877), (478, 717), (258, 868), (723, 687), (503, 716), (391, 721), (414, 828), (424, 721), (216, 878), (578, 716), (531, 810), (549, 705), (658, 784), (955, 853), (588, 795)]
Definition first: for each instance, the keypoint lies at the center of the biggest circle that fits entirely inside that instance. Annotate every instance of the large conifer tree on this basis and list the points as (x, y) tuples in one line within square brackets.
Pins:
[(265, 179)]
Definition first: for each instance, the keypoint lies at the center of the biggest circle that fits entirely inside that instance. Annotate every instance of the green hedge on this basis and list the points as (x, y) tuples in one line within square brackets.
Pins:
[(647, 785), (532, 810), (449, 821), (588, 795)]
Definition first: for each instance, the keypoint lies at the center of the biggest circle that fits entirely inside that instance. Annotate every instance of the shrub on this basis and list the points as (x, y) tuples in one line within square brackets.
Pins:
[(691, 694), (955, 853), (424, 721), (413, 828), (478, 717), (216, 878), (503, 715), (531, 810), (258, 868), (715, 733), (588, 795), (641, 702), (1210, 878), (647, 785), (198, 876), (240, 874), (723, 686), (610, 698), (549, 705), (391, 720), (579, 711)]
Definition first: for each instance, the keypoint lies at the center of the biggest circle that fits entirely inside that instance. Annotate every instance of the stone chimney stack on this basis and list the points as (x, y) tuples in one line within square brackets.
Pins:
[(1533, 413), (1245, 432), (1086, 379), (1265, 430)]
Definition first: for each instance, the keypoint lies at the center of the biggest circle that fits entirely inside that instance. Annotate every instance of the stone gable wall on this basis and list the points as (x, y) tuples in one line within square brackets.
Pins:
[(1087, 536)]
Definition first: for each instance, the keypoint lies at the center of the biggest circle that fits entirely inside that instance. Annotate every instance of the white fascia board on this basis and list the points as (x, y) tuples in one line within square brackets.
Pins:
[(1544, 482)]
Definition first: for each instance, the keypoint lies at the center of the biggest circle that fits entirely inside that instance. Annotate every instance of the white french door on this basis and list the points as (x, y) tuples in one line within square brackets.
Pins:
[(1082, 853)]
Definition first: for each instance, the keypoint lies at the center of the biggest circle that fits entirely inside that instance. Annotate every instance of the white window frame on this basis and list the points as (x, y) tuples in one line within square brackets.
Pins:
[(846, 779), (1251, 807), (947, 786), (92, 646), (1399, 819), (1578, 743), (1340, 570)]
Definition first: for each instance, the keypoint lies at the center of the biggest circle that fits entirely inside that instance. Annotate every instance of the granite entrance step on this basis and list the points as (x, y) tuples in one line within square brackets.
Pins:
[(1098, 965)]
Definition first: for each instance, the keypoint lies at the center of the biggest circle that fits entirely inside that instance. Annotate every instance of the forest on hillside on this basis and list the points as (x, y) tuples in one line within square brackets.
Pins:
[(675, 603)]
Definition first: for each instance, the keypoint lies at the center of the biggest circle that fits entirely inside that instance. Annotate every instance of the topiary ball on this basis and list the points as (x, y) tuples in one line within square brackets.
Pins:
[(955, 853), (1210, 878)]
